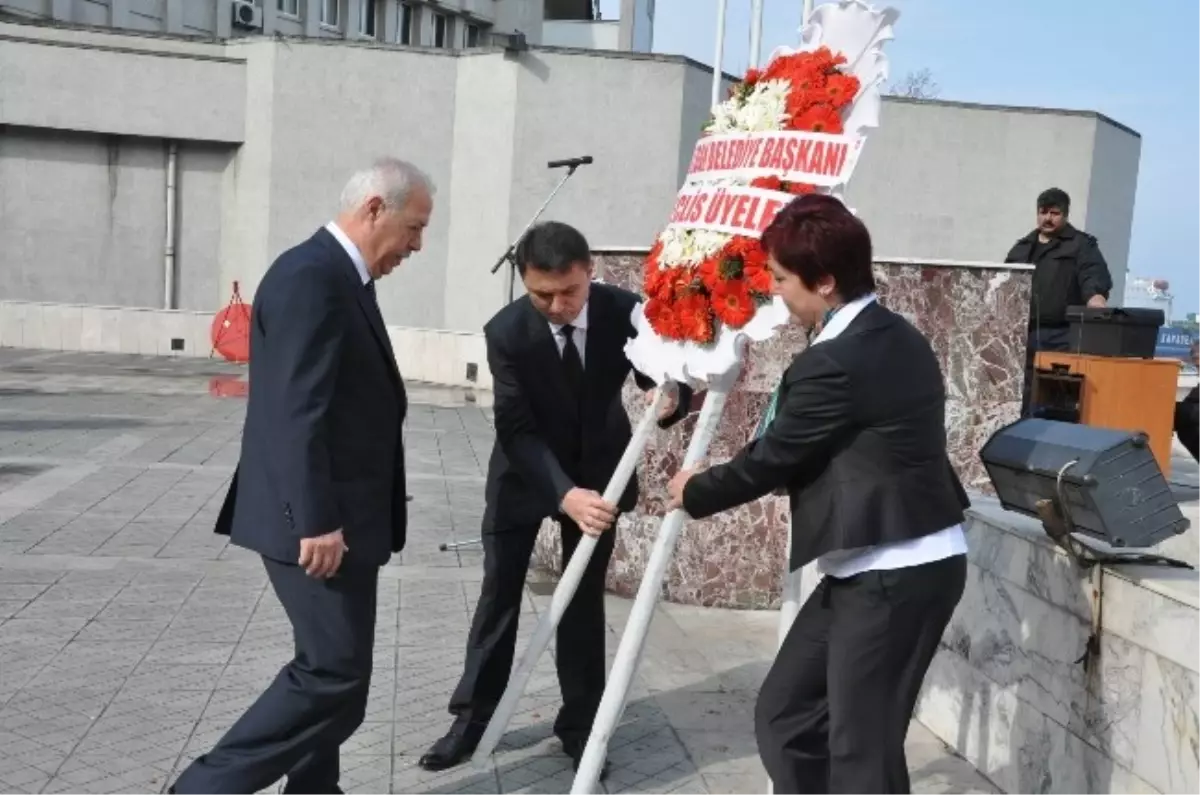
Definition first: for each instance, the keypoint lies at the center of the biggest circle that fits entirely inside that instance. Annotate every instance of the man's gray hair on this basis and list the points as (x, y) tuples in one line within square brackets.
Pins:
[(390, 179)]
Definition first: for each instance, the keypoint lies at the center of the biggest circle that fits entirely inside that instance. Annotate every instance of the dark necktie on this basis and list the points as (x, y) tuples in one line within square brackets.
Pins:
[(572, 363)]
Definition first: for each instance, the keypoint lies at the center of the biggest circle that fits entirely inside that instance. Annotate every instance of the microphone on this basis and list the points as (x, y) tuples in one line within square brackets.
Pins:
[(571, 162)]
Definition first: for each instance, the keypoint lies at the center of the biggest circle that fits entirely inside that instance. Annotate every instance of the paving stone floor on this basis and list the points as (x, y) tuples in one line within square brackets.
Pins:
[(131, 637)]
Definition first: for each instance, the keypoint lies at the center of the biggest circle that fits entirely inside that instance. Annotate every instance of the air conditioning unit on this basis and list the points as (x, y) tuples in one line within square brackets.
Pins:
[(247, 15)]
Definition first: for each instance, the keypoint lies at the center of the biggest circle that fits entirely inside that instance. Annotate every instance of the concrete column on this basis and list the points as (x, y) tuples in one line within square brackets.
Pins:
[(60, 10), (224, 19), (246, 205), (625, 24), (173, 16), (311, 12), (480, 171), (389, 23), (270, 10), (118, 13), (351, 11)]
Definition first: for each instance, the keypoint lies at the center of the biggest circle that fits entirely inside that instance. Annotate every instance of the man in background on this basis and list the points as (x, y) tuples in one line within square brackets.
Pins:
[(1069, 270), (557, 357), (319, 491), (1187, 412)]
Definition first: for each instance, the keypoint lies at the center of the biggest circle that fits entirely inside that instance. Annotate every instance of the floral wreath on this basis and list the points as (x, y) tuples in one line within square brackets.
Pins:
[(696, 279)]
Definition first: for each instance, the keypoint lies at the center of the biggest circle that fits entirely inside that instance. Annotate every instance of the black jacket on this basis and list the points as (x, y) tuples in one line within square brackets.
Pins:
[(1067, 272), (858, 441), (322, 447), (545, 443)]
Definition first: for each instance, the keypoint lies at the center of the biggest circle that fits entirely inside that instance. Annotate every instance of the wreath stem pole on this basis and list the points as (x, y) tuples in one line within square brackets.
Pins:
[(633, 640), (720, 54), (756, 15), (567, 585), (792, 598)]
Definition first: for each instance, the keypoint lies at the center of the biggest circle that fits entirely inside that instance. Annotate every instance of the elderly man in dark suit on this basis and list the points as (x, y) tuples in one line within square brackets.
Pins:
[(557, 357), (319, 491)]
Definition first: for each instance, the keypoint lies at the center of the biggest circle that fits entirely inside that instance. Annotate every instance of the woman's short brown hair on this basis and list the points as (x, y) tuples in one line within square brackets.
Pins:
[(816, 236)]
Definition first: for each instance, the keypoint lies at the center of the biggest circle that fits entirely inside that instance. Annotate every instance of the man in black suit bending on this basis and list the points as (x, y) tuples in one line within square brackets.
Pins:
[(319, 491), (557, 357)]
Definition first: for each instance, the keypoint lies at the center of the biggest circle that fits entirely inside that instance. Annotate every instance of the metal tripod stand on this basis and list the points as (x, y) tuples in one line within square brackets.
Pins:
[(509, 256)]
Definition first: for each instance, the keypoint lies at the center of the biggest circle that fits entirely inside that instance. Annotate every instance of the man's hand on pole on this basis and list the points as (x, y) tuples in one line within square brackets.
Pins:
[(589, 510), (670, 400)]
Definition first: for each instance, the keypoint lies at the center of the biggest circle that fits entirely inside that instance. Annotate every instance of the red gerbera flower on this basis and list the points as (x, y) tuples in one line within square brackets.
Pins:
[(662, 318), (694, 316), (731, 303), (820, 119), (840, 90), (769, 182)]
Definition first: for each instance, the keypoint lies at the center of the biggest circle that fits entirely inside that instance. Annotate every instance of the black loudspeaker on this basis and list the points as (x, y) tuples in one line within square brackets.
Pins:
[(1107, 482)]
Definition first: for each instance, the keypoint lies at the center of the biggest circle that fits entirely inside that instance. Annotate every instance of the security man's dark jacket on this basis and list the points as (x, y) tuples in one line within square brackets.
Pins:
[(1069, 270)]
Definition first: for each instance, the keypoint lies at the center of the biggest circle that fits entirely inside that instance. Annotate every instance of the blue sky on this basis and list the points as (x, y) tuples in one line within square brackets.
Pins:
[(1137, 63)]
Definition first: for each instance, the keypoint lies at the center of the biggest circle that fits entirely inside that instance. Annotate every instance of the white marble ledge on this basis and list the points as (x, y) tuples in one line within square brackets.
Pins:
[(909, 261), (1155, 608), (1180, 585), (954, 263)]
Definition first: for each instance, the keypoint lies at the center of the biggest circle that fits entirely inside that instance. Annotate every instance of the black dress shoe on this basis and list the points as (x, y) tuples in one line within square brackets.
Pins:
[(574, 749), (452, 749)]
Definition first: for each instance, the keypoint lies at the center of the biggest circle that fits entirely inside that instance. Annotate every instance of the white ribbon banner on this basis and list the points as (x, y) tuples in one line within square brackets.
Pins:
[(732, 209), (813, 158)]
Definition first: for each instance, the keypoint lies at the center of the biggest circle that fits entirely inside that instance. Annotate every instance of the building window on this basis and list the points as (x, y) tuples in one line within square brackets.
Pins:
[(329, 12), (289, 7), (366, 18), (404, 35), (472, 35), (441, 29)]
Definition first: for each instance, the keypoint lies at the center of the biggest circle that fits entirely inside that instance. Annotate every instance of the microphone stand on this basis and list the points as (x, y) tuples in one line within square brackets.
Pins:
[(510, 254)]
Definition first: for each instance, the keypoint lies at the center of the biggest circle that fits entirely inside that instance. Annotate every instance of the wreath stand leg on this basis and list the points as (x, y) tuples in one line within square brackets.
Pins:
[(792, 598), (565, 590), (792, 595), (633, 640)]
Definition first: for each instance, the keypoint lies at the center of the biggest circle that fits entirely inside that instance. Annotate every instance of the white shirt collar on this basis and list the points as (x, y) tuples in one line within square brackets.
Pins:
[(356, 256), (579, 323), (844, 317)]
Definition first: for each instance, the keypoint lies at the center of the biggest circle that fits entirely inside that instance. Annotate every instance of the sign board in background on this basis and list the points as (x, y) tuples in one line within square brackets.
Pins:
[(1174, 343)]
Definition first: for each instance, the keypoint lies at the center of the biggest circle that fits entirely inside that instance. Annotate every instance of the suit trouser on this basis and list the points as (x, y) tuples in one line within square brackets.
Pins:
[(491, 644), (834, 709), (317, 700)]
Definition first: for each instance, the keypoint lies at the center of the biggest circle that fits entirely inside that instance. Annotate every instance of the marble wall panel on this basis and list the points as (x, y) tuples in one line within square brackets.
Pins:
[(975, 318), (1008, 689)]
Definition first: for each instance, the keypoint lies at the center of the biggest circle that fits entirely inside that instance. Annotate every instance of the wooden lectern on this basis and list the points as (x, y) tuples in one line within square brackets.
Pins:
[(1122, 394)]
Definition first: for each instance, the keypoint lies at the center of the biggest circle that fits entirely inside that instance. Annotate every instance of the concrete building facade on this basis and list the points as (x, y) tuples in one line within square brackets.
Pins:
[(445, 24), (255, 137)]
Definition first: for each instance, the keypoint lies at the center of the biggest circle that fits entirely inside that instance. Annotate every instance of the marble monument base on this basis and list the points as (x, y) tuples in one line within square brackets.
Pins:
[(1013, 691), (975, 316)]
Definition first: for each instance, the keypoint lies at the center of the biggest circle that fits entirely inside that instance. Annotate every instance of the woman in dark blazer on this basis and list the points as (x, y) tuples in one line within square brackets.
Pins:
[(858, 442)]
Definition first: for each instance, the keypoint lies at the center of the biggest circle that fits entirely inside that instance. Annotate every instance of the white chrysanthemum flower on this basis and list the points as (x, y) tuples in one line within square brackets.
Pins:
[(689, 246), (725, 117), (765, 108)]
